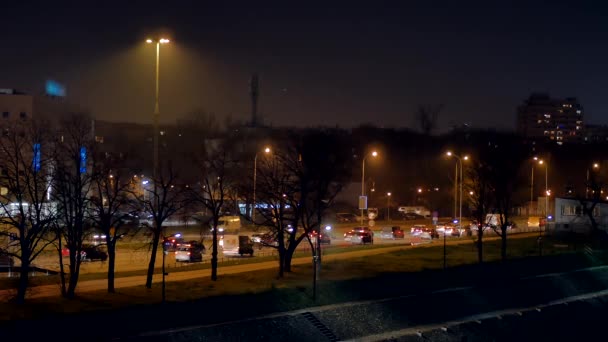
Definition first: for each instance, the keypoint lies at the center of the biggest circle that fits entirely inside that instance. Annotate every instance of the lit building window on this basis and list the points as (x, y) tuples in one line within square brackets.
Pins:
[(99, 139), (162, 132), (548, 116)]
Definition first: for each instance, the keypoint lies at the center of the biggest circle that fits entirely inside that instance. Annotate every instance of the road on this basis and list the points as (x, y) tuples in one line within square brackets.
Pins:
[(122, 282), (558, 307)]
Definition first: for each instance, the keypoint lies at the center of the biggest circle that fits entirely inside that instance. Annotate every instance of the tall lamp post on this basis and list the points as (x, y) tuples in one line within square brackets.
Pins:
[(458, 167), (373, 154), (595, 167), (388, 206), (156, 106), (542, 162), (255, 170)]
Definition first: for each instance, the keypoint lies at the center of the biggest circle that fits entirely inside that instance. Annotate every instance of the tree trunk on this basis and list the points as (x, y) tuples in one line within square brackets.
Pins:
[(75, 259), (155, 240), (281, 261), (111, 263), (214, 254), (503, 244), (480, 244), (61, 268), (288, 257), (23, 277)]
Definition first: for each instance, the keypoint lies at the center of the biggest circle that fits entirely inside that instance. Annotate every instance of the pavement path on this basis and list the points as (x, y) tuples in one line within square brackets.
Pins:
[(514, 310), (131, 281)]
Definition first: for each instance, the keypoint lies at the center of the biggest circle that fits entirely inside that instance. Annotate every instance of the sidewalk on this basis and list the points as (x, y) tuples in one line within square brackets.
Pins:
[(123, 282)]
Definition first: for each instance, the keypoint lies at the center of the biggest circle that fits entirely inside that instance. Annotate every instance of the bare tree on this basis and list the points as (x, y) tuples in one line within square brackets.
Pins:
[(112, 205), (71, 188), (297, 186), (507, 162), (480, 198), (26, 211), (216, 186), (166, 198)]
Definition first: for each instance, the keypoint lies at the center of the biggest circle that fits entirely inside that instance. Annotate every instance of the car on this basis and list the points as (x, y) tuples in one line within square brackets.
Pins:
[(424, 231), (188, 253), (359, 236), (398, 233), (394, 232), (325, 238), (346, 217), (172, 243), (412, 216), (90, 253), (264, 240)]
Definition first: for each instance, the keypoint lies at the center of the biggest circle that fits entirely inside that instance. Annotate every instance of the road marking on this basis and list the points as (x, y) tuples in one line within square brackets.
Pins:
[(417, 330), (559, 274)]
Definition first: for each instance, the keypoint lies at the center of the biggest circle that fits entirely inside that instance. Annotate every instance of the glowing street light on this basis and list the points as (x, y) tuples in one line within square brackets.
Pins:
[(156, 106), (255, 170), (373, 154)]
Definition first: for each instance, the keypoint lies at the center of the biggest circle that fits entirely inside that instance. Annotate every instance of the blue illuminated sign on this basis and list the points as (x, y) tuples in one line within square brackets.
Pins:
[(36, 159), (54, 88), (83, 160)]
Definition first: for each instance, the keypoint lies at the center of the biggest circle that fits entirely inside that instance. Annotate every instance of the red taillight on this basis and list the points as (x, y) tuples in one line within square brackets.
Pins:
[(188, 253)]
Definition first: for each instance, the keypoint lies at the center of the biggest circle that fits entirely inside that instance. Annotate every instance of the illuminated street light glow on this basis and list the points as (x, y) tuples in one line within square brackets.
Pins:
[(374, 154), (419, 190), (596, 165), (164, 41), (267, 150), (149, 41), (448, 153), (471, 193), (388, 194)]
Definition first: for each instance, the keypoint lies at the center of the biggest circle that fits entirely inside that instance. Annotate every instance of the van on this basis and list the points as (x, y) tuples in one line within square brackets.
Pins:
[(228, 223)]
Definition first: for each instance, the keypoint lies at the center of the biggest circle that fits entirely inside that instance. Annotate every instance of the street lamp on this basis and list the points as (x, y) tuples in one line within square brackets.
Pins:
[(373, 154), (595, 167), (460, 159), (547, 192), (388, 206), (156, 107), (255, 168)]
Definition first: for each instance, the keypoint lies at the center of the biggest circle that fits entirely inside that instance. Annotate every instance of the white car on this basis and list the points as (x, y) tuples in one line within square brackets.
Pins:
[(187, 253)]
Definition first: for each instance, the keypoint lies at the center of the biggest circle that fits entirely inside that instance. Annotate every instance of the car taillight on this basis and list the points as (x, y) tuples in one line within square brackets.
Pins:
[(188, 253), (175, 253)]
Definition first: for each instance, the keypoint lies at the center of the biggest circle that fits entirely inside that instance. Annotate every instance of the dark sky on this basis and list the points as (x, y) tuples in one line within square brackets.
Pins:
[(319, 65)]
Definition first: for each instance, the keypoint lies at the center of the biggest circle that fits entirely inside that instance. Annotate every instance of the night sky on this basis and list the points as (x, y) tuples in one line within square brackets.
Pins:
[(342, 65)]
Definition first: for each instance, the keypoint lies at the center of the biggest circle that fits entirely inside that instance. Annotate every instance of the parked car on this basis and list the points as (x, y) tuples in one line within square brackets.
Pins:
[(412, 216), (346, 217), (188, 253), (325, 239)]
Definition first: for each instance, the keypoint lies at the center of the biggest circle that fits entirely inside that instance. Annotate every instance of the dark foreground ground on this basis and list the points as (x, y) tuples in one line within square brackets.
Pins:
[(432, 305)]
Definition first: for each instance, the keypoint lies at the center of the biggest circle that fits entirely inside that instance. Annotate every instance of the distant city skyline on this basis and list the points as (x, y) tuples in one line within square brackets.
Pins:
[(342, 66)]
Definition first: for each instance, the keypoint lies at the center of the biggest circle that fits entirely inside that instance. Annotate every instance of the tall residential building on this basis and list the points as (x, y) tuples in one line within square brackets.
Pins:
[(541, 117)]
